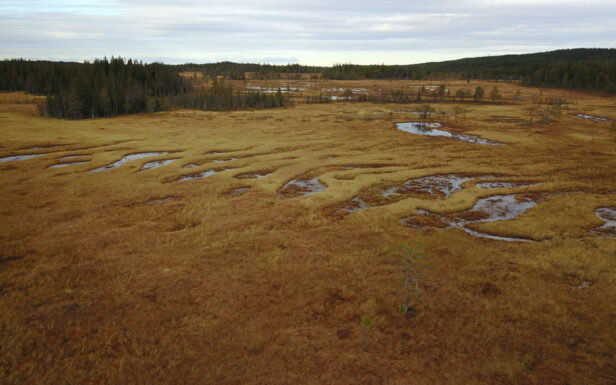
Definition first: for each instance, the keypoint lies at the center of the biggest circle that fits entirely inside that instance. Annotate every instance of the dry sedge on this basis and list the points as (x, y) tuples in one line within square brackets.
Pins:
[(128, 277)]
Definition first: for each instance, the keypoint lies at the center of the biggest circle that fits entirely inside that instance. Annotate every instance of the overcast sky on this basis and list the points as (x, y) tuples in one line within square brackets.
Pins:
[(317, 32)]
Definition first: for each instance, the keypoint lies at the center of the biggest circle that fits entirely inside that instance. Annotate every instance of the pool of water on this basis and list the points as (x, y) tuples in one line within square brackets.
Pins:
[(354, 90), (486, 210), (591, 117), (252, 175), (18, 157), (238, 191), (273, 90), (128, 158), (442, 185), (156, 163), (223, 160), (495, 185), (356, 204), (58, 165), (432, 129), (433, 186), (301, 187), (198, 175), (608, 215), (337, 98), (500, 208)]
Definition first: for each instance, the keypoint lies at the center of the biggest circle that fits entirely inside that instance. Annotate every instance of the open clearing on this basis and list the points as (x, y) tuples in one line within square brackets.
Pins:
[(255, 247)]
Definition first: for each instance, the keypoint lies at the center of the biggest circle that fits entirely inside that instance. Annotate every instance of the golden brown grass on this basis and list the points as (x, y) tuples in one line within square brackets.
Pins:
[(98, 286)]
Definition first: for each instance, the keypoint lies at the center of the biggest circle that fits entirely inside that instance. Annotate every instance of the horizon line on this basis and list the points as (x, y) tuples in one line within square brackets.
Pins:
[(283, 63)]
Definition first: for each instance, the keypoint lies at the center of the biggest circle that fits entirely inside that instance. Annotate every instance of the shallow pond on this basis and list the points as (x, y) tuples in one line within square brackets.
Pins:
[(128, 158), (273, 90), (591, 117), (156, 163), (431, 129), (300, 187), (18, 157), (354, 90), (443, 185), (486, 210), (252, 175), (499, 208), (223, 160), (607, 214), (356, 204), (434, 186), (495, 185), (337, 98), (237, 191), (58, 165), (199, 175)]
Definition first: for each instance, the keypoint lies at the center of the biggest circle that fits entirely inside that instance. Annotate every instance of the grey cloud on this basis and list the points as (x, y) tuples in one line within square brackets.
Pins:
[(315, 32)]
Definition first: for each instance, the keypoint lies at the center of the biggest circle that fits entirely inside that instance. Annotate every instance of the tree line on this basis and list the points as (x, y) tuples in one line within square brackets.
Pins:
[(104, 88), (590, 69), (422, 94), (585, 75), (580, 69), (237, 71), (117, 86), (100, 88), (222, 98)]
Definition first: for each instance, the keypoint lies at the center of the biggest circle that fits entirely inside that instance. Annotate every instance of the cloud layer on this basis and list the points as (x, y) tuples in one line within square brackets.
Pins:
[(311, 32)]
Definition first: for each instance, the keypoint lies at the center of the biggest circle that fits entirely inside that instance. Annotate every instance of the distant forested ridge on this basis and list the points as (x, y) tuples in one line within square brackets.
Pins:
[(592, 69), (237, 71)]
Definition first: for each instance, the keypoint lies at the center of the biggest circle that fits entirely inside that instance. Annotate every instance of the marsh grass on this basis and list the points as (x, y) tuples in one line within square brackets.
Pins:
[(257, 289)]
